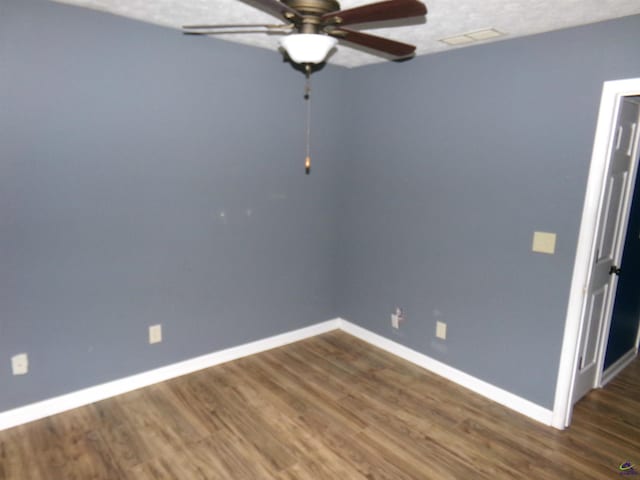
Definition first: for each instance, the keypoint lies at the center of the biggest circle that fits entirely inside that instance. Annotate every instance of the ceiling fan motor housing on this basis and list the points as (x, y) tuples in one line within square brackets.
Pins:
[(313, 7), (312, 11)]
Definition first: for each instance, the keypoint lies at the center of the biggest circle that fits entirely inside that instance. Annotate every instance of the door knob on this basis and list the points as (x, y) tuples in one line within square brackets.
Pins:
[(615, 270)]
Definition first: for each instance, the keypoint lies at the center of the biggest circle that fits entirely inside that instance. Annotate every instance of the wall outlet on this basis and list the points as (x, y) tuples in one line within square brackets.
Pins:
[(441, 330), (155, 333), (396, 318), (20, 364)]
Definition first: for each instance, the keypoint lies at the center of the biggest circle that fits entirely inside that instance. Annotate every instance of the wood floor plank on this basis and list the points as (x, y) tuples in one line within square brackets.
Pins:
[(329, 407), (16, 459)]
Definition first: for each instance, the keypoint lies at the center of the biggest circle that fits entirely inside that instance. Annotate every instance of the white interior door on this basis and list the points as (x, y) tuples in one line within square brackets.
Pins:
[(611, 228)]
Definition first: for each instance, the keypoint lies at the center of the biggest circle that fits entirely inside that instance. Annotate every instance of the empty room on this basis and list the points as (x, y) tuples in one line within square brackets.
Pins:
[(309, 240)]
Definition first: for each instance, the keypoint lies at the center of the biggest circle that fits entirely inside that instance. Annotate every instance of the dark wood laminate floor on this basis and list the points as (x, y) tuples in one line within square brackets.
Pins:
[(330, 407)]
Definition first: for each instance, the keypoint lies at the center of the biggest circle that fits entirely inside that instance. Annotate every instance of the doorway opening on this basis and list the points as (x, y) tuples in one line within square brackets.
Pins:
[(599, 251), (624, 328)]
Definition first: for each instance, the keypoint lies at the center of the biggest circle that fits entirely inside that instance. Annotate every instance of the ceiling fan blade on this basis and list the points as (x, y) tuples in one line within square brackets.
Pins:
[(397, 49), (230, 25), (235, 28), (376, 12)]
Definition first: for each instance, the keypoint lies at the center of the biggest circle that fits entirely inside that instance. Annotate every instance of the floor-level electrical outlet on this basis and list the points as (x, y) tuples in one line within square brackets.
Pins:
[(396, 318), (441, 330), (155, 333), (20, 364)]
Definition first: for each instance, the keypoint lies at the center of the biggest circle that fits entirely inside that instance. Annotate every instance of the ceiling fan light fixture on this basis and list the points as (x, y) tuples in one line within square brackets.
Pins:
[(308, 47)]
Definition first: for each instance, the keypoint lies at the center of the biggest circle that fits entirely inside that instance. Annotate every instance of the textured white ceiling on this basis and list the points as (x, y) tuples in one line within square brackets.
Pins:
[(445, 18)]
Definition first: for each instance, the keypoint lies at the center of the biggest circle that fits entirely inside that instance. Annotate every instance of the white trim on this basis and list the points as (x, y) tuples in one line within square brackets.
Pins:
[(503, 397), (52, 406), (611, 93), (618, 366)]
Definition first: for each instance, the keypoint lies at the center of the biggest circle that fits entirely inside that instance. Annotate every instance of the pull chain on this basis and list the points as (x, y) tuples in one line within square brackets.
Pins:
[(307, 98)]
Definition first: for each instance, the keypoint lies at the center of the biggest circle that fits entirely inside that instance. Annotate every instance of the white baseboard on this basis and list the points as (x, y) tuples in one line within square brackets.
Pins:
[(52, 406), (618, 366), (503, 397)]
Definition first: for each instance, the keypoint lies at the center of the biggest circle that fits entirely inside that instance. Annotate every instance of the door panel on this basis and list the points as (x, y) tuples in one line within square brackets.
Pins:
[(612, 212), (625, 317), (611, 226), (595, 314)]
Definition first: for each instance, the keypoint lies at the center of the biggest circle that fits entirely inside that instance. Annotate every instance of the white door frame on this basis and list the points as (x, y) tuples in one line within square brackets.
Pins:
[(611, 93)]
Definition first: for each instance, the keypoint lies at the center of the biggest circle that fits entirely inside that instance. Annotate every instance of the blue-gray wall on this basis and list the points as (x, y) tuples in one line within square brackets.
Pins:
[(626, 308), (457, 158), (121, 144)]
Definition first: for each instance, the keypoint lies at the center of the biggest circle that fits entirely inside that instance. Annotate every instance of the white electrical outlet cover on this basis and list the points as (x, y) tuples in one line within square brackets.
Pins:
[(155, 334), (441, 330), (20, 364)]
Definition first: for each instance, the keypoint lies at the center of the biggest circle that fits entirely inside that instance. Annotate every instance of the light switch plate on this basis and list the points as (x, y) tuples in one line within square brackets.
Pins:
[(544, 242)]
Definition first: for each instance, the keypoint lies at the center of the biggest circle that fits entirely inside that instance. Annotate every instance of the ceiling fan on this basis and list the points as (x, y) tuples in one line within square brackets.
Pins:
[(314, 26)]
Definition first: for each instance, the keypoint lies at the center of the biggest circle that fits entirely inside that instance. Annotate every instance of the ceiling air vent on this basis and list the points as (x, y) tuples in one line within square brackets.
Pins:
[(471, 37)]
